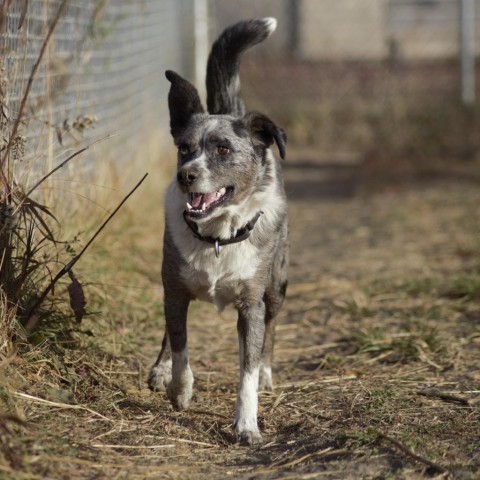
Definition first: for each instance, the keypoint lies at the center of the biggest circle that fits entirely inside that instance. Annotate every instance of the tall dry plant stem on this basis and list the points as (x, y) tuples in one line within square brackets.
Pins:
[(58, 167), (67, 268), (23, 103)]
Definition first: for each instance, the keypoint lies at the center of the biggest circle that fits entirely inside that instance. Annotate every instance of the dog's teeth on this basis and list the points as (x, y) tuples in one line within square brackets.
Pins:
[(221, 192), (204, 206), (189, 207)]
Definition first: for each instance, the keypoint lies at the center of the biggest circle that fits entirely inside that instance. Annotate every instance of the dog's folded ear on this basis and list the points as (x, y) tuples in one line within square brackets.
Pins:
[(183, 102), (265, 132)]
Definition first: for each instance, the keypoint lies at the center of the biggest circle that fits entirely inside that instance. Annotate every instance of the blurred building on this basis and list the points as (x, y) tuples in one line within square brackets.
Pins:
[(356, 29)]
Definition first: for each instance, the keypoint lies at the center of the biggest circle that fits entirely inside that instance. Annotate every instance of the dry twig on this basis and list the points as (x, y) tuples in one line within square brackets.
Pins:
[(68, 406), (434, 466), (58, 167), (447, 397)]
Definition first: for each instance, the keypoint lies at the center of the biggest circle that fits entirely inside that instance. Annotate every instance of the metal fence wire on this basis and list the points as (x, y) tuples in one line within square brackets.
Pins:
[(102, 72), (335, 73)]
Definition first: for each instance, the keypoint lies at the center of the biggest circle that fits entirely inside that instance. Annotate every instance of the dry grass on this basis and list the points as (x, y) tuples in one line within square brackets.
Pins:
[(376, 363)]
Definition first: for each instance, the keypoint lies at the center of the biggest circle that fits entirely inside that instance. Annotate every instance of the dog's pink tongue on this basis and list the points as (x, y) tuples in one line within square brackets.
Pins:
[(209, 198), (197, 200), (200, 198)]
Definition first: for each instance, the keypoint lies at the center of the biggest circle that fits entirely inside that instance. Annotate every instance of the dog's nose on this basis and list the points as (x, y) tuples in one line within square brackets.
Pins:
[(187, 177)]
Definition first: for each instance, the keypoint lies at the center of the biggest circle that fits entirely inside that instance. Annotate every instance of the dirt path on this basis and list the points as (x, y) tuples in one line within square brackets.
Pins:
[(376, 365)]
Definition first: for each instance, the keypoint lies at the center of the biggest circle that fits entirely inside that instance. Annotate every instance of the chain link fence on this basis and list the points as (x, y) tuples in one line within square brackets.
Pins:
[(353, 75), (101, 74)]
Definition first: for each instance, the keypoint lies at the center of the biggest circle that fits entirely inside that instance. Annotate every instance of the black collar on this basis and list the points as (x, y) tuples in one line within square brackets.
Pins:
[(241, 235)]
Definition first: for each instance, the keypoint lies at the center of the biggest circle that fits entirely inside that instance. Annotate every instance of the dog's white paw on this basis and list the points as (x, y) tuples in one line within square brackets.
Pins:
[(248, 437), (180, 390), (265, 382), (160, 376)]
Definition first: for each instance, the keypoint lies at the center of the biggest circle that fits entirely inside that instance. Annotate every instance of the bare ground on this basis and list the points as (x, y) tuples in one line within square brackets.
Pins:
[(376, 363)]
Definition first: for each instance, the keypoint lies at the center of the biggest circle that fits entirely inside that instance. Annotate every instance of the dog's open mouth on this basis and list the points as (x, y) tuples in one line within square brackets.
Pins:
[(202, 204)]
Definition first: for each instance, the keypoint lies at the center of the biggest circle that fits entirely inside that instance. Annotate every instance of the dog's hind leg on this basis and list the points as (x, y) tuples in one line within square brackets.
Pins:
[(179, 390), (172, 369), (265, 381), (161, 373), (274, 297)]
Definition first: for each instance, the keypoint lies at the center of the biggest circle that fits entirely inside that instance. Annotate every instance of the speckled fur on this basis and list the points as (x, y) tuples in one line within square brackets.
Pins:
[(252, 274)]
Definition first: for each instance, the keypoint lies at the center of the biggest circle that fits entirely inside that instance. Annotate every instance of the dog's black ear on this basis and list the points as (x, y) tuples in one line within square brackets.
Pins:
[(264, 131), (183, 102)]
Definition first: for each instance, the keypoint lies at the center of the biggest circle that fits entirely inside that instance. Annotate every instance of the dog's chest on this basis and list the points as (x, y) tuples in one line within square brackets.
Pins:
[(218, 280)]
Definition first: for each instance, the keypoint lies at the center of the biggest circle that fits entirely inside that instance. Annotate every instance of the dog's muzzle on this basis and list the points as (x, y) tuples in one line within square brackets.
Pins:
[(186, 177)]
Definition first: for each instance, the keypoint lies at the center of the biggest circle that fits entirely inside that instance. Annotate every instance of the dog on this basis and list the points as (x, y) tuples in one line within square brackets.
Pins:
[(226, 225)]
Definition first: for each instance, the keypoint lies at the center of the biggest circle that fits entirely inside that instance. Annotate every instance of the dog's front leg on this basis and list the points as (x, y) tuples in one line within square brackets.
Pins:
[(179, 390), (251, 329)]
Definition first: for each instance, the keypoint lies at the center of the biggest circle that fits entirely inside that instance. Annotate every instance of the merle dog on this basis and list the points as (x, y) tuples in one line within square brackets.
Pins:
[(226, 225)]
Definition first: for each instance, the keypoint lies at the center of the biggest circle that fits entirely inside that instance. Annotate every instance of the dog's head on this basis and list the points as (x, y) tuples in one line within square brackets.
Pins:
[(221, 158)]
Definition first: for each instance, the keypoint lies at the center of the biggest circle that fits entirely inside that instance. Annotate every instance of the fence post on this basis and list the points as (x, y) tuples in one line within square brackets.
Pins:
[(467, 34), (200, 19)]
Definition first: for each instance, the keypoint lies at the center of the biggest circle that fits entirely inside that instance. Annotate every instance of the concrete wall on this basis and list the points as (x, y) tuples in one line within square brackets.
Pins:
[(424, 30), (342, 29)]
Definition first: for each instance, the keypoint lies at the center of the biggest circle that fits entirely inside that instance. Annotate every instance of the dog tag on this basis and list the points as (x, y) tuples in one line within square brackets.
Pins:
[(217, 249)]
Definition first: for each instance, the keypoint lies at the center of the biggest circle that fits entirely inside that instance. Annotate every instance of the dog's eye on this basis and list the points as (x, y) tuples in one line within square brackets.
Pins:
[(222, 150), (183, 149)]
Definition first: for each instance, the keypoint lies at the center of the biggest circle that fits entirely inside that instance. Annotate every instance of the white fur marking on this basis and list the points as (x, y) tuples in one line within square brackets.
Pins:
[(247, 403), (161, 374), (265, 378), (204, 184), (179, 390), (271, 24)]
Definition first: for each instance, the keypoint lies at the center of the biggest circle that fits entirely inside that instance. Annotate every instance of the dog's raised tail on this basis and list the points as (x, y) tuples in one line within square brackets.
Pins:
[(223, 81)]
